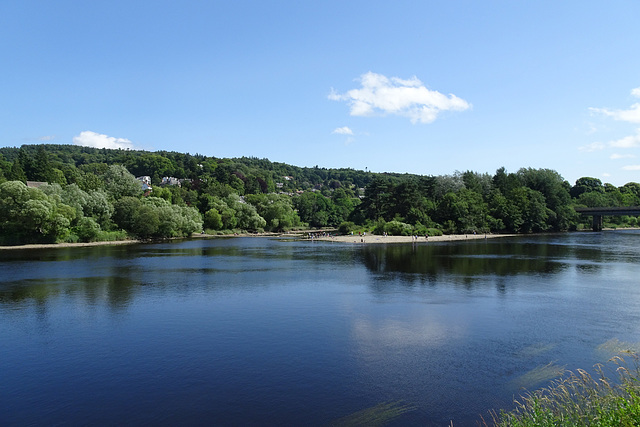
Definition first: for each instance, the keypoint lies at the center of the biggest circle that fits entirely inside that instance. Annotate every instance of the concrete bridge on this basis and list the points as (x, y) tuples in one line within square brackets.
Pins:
[(598, 213)]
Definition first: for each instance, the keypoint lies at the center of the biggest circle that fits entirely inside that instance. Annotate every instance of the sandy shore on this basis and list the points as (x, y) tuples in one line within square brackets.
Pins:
[(68, 245), (343, 239), (408, 239)]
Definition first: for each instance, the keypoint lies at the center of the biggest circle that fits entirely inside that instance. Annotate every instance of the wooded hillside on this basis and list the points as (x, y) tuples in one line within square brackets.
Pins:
[(93, 194)]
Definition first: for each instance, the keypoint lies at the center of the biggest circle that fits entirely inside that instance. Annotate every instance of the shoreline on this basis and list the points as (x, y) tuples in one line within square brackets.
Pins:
[(369, 239), (68, 245), (376, 239)]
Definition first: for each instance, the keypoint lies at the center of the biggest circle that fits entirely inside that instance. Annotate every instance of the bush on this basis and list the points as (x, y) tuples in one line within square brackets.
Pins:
[(112, 236), (421, 230), (397, 228), (87, 229), (346, 227)]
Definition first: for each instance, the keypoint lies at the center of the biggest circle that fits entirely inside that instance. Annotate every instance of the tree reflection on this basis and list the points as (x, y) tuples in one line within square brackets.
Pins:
[(466, 262)]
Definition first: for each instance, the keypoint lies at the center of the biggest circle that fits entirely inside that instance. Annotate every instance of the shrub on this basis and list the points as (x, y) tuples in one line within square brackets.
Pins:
[(346, 227), (397, 228)]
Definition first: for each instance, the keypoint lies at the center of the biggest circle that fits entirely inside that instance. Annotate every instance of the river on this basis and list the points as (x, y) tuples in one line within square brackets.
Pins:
[(269, 331)]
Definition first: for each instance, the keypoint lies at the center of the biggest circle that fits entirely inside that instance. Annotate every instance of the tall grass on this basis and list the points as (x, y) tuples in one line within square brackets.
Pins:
[(580, 399)]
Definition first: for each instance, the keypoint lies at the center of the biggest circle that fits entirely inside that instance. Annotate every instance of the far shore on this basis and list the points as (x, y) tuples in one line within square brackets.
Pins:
[(376, 239), (68, 245), (369, 238)]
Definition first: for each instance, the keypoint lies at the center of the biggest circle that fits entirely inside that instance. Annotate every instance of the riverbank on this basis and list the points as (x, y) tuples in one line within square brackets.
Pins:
[(68, 245), (369, 238), (375, 239)]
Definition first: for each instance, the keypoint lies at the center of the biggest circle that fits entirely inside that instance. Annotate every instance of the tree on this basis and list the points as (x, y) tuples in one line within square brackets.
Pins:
[(29, 215), (246, 215), (17, 173), (213, 219), (377, 201), (42, 169), (120, 183), (276, 209), (586, 185), (87, 229), (555, 192), (315, 209)]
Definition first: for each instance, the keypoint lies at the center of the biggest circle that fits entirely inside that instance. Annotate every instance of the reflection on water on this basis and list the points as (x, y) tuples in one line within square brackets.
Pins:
[(276, 331)]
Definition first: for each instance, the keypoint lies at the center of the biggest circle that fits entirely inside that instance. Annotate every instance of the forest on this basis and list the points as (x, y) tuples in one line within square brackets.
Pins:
[(66, 193)]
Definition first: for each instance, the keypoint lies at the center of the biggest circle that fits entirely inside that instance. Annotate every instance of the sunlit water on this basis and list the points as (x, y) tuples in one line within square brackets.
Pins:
[(257, 331)]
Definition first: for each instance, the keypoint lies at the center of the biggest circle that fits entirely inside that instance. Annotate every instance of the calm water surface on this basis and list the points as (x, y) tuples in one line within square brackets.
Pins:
[(257, 331)]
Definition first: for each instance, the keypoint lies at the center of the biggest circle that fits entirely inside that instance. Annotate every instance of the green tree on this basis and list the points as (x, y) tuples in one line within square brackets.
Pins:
[(314, 209), (213, 219), (276, 209), (555, 192), (42, 169), (120, 183), (87, 229), (29, 215), (17, 173), (586, 185)]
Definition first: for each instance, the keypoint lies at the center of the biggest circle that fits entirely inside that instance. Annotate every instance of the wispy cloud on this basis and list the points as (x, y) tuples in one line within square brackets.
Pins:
[(616, 156), (45, 138), (627, 142), (631, 168), (344, 130), (631, 115), (630, 141), (96, 140), (594, 146), (403, 97)]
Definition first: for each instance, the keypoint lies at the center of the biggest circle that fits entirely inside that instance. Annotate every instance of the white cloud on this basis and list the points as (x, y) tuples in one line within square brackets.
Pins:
[(407, 98), (594, 146), (97, 140), (344, 130), (631, 168), (47, 138), (616, 156), (606, 175), (628, 141), (631, 115)]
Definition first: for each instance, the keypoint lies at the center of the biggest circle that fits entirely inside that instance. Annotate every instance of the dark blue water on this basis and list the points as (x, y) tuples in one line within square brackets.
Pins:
[(257, 331)]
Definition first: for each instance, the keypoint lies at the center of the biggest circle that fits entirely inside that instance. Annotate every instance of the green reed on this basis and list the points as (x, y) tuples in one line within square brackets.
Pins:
[(580, 399)]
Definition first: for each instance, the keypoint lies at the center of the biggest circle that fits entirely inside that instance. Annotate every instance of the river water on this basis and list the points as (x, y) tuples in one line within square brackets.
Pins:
[(258, 331)]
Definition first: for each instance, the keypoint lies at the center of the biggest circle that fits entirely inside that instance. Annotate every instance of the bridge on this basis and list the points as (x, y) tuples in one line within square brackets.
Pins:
[(598, 213)]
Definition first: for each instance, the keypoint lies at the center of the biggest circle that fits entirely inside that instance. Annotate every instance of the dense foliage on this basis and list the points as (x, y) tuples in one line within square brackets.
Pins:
[(92, 194)]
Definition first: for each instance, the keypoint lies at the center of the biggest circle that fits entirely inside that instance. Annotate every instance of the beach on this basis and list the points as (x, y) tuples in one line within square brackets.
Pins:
[(371, 238)]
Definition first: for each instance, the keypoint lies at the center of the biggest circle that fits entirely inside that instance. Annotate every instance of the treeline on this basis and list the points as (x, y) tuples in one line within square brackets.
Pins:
[(92, 194)]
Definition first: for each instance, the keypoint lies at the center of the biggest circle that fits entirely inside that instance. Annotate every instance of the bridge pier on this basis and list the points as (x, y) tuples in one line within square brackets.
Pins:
[(599, 213), (597, 222)]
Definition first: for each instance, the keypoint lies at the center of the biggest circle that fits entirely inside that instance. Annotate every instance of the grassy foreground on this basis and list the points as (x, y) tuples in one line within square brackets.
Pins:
[(579, 399)]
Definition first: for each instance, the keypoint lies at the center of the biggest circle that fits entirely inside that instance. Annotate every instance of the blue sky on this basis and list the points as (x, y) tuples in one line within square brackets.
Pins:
[(425, 87)]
